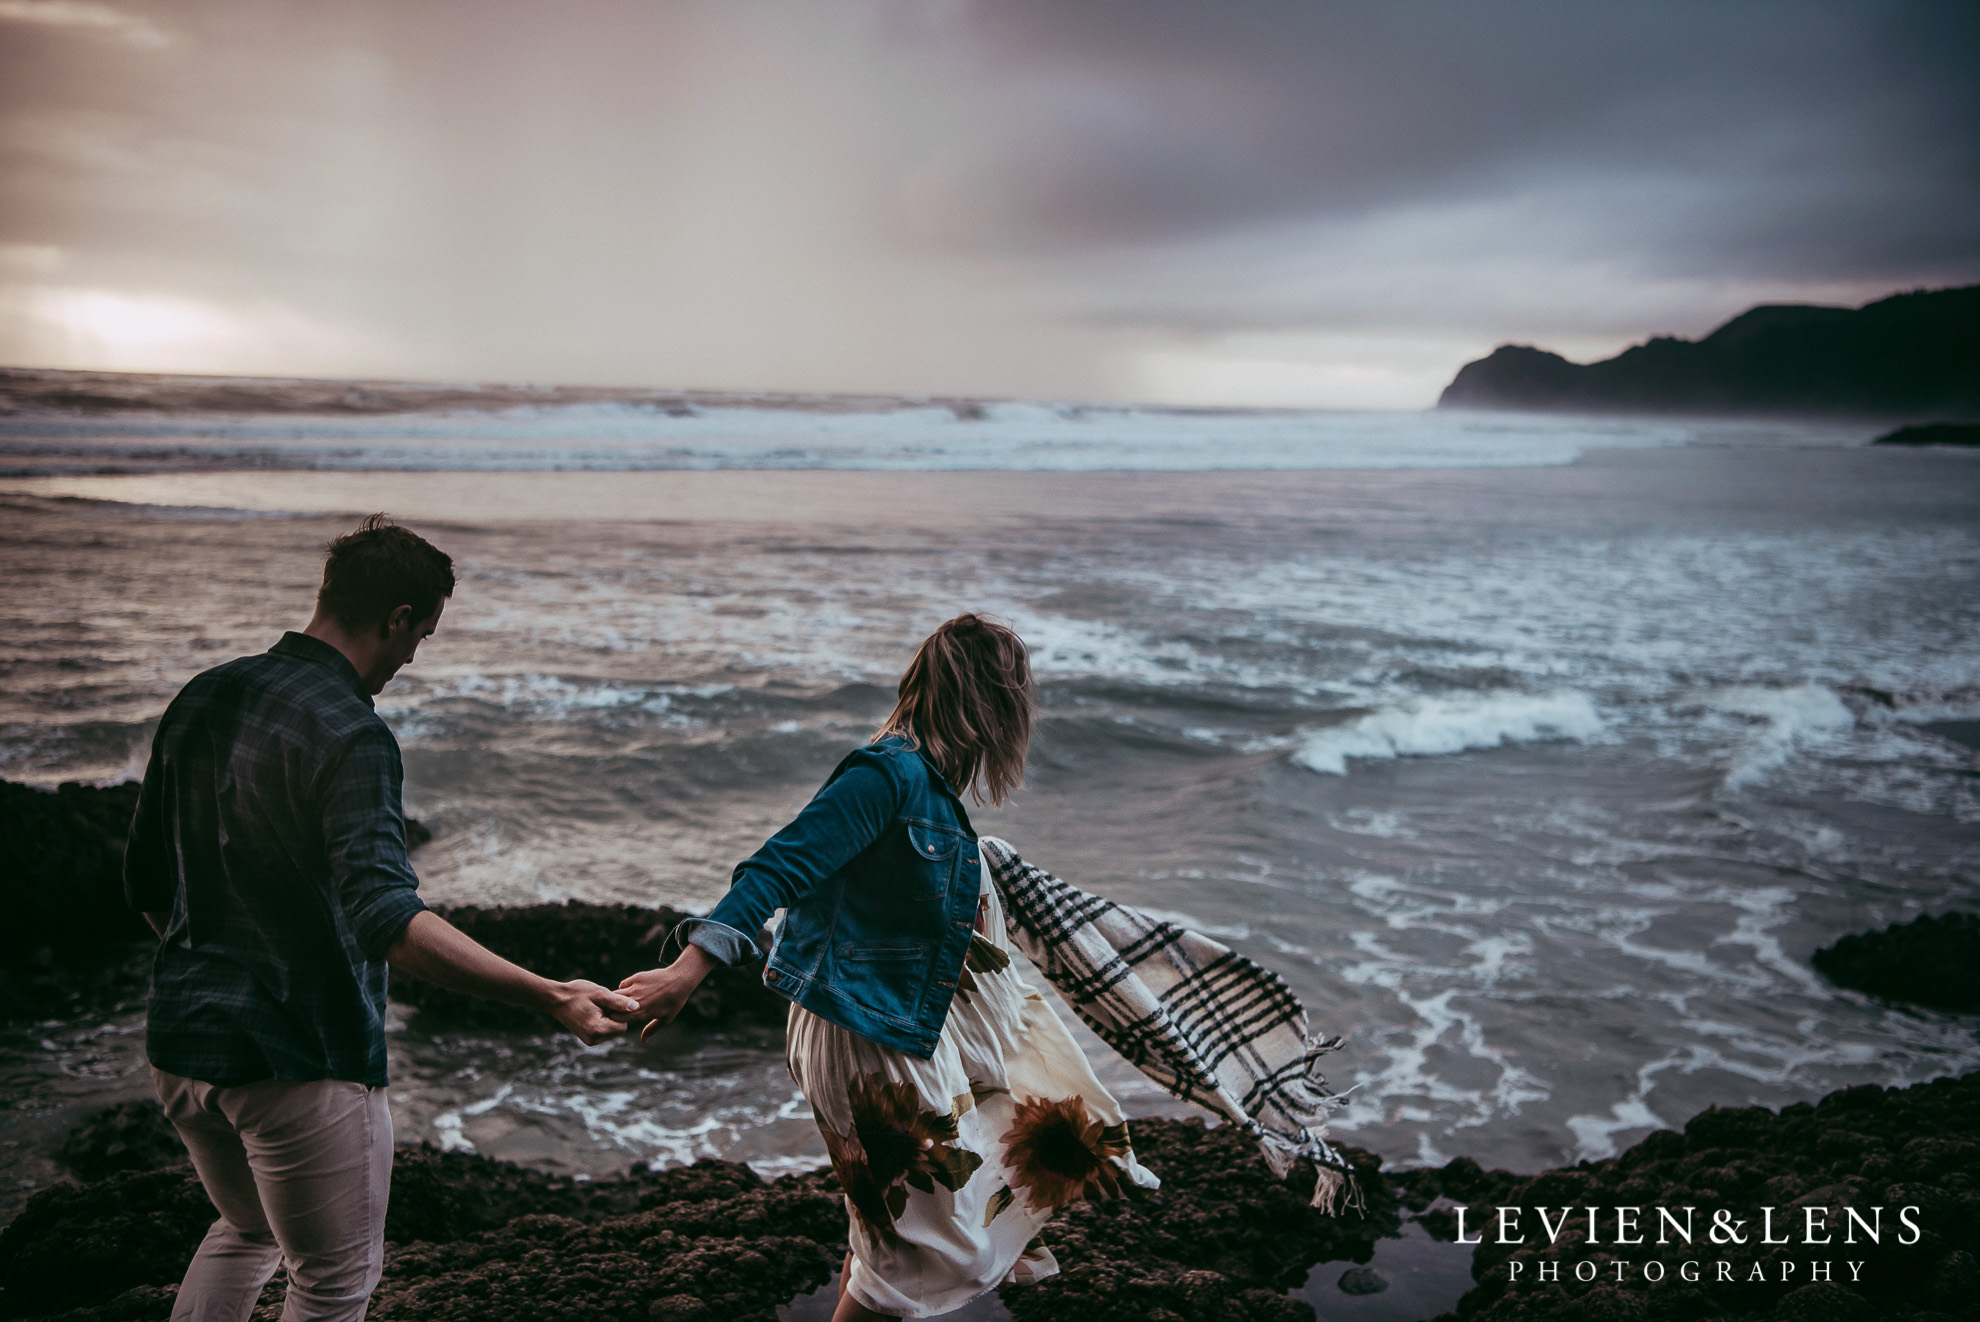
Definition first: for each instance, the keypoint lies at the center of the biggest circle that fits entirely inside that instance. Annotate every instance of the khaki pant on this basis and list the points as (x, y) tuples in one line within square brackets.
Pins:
[(300, 1173)]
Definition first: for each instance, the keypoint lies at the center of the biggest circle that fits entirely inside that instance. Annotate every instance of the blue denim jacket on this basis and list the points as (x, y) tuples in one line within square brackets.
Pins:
[(878, 879)]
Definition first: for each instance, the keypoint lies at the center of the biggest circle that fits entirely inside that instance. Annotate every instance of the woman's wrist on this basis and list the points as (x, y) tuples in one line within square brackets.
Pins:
[(722, 942), (695, 961)]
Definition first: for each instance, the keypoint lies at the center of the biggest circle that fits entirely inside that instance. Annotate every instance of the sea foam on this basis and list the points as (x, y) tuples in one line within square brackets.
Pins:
[(1792, 715), (1427, 727), (1011, 435)]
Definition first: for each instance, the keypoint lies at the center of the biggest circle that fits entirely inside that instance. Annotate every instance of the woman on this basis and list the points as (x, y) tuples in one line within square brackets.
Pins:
[(958, 1111)]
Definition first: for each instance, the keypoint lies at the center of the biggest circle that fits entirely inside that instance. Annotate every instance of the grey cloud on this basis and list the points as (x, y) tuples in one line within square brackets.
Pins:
[(1007, 196), (1280, 165), (88, 17), (1153, 119)]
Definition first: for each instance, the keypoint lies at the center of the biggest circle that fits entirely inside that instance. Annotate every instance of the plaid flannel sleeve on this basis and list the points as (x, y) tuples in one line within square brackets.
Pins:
[(147, 877), (365, 831)]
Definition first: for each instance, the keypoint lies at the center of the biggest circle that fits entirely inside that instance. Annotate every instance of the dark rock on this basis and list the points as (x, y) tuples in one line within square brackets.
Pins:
[(115, 1247), (482, 1239), (76, 1245), (1861, 1147), (1908, 356), (142, 1303), (446, 1196), (69, 938), (1151, 1292), (1934, 433), (1222, 1238), (629, 1269), (130, 1136), (602, 942), (1822, 1302), (712, 1241), (1933, 960), (64, 884), (1362, 1280)]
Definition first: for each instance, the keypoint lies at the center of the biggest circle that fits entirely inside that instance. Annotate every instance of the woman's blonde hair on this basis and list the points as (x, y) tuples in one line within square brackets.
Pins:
[(965, 701)]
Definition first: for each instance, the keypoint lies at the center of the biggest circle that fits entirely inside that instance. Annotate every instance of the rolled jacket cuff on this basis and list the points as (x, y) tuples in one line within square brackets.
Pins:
[(724, 942)]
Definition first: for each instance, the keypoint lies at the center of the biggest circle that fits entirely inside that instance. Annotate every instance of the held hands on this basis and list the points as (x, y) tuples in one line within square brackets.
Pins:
[(594, 1013), (659, 994), (434, 949), (588, 1010)]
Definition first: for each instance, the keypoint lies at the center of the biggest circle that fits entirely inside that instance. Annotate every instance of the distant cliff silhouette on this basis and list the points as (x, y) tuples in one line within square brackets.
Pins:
[(1910, 356)]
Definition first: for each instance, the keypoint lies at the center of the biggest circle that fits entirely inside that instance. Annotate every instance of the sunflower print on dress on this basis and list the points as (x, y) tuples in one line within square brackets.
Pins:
[(1058, 1154), (982, 957), (893, 1145)]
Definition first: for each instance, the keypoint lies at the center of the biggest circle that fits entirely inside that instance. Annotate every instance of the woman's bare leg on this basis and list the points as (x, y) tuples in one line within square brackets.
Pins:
[(850, 1309)]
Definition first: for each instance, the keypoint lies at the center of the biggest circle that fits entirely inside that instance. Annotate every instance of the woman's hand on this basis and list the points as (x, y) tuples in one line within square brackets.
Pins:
[(660, 993), (588, 1010)]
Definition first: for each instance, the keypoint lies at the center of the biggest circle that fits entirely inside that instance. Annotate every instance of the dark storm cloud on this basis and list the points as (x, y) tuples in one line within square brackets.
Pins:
[(1264, 201), (1837, 133)]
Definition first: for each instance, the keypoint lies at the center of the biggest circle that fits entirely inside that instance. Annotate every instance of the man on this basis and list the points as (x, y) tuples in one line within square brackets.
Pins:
[(269, 854)]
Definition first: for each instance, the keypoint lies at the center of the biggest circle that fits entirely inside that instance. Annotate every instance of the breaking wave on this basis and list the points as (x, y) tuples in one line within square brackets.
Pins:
[(1427, 727)]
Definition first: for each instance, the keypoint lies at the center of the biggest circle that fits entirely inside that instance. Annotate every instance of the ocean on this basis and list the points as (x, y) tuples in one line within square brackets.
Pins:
[(1538, 754)]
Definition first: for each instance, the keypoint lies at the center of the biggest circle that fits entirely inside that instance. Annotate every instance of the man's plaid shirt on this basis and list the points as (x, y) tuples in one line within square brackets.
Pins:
[(270, 831)]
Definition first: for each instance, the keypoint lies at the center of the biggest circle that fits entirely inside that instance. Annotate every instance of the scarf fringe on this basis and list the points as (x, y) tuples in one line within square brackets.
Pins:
[(1336, 1191)]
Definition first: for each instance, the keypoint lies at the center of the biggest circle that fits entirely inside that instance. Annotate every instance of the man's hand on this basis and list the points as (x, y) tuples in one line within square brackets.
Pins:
[(585, 1008), (434, 949), (661, 993)]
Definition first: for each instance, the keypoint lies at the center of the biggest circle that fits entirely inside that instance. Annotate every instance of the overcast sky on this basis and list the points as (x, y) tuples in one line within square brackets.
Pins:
[(1208, 202)]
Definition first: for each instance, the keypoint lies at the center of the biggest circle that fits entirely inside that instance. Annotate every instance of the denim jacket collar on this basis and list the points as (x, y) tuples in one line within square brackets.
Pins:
[(934, 772)]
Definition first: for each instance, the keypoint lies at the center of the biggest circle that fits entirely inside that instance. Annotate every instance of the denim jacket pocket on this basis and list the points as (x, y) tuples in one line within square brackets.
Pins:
[(882, 950), (932, 842)]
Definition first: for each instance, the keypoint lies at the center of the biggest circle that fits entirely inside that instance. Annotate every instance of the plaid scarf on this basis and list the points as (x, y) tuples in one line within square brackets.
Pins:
[(1208, 1025)]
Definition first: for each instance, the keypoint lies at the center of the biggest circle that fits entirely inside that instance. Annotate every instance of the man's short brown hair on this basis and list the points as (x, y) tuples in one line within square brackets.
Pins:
[(369, 573)]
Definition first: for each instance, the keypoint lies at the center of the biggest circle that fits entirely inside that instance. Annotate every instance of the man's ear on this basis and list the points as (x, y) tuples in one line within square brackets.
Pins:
[(400, 620)]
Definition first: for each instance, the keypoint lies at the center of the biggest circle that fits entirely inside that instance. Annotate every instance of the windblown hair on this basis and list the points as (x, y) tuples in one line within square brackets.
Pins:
[(369, 573), (966, 701)]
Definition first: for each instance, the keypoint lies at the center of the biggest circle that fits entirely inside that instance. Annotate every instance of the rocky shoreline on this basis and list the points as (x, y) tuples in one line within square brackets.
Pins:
[(1796, 1173), (72, 942), (1933, 960), (470, 1236), (465, 1235), (69, 938), (473, 1237)]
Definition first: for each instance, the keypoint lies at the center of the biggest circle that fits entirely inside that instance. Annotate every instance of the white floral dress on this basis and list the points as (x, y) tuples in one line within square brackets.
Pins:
[(951, 1165)]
